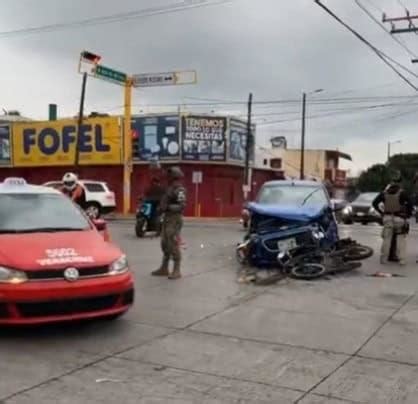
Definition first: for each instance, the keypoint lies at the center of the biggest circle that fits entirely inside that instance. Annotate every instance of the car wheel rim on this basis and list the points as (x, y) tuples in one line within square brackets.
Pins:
[(93, 211)]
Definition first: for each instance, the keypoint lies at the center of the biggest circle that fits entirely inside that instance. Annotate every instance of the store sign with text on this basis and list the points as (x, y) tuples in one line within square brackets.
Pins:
[(204, 138), (156, 137), (53, 143), (5, 157)]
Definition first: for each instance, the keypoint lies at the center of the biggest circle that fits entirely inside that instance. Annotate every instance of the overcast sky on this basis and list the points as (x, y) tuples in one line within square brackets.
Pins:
[(274, 48)]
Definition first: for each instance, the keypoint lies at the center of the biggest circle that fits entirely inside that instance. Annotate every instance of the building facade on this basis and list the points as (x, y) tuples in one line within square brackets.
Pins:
[(209, 149)]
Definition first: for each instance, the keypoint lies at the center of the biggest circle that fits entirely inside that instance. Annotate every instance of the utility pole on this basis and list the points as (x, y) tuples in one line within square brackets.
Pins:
[(80, 121), (411, 26), (302, 141), (248, 146), (390, 147)]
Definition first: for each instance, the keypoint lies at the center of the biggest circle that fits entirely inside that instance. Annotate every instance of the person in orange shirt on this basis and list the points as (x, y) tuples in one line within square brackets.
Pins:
[(72, 189)]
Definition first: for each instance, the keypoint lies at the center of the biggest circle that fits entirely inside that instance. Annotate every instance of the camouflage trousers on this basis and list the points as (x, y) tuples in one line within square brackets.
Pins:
[(170, 234)]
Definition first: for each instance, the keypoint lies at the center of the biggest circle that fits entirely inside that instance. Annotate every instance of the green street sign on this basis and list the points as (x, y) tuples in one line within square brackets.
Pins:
[(107, 73)]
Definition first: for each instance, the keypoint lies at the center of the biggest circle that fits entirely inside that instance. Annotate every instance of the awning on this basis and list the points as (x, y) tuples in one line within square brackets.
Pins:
[(337, 154)]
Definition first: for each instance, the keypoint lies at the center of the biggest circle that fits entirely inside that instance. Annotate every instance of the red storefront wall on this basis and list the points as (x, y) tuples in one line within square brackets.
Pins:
[(219, 195)]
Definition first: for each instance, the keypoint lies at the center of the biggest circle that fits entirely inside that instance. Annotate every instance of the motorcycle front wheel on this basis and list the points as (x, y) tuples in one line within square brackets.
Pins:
[(308, 271), (140, 227), (358, 253)]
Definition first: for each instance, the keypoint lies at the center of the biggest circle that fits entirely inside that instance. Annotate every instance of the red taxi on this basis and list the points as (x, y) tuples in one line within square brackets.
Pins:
[(54, 263)]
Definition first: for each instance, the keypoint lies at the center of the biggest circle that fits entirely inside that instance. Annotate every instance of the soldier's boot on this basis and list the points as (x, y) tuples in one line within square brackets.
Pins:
[(163, 269), (176, 274)]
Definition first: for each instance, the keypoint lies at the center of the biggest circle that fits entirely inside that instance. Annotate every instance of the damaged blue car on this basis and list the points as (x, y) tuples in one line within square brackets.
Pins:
[(286, 216)]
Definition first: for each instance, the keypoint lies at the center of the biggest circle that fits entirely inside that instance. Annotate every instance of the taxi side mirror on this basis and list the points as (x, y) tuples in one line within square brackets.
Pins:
[(100, 224)]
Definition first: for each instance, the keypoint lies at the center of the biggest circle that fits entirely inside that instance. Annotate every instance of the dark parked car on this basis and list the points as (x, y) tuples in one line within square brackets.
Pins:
[(361, 210)]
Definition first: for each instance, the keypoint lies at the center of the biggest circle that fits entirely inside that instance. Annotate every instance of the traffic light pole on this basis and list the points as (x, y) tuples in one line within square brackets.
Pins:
[(80, 121), (127, 149)]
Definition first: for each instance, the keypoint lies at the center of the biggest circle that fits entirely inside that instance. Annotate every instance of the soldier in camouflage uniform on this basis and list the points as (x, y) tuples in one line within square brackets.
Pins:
[(172, 207)]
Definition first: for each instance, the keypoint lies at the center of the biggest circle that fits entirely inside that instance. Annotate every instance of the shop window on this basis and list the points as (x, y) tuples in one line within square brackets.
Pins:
[(276, 163)]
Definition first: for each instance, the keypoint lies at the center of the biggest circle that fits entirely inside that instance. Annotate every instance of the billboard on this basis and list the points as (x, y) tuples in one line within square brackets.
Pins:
[(5, 158), (203, 138), (238, 140), (156, 137), (53, 143)]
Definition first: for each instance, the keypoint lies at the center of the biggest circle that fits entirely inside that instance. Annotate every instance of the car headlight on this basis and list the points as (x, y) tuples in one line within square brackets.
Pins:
[(120, 266), (347, 210), (11, 276), (317, 234)]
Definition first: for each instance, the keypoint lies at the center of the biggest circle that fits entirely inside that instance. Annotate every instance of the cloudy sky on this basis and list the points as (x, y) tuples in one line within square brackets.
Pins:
[(274, 48)]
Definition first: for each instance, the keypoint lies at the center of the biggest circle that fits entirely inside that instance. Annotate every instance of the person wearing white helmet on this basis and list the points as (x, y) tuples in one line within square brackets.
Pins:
[(73, 189)]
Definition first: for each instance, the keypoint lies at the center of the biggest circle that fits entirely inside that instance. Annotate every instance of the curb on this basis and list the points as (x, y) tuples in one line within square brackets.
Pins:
[(187, 219)]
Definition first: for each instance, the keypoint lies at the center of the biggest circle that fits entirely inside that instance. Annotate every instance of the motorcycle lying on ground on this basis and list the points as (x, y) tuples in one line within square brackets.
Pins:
[(307, 248), (147, 218)]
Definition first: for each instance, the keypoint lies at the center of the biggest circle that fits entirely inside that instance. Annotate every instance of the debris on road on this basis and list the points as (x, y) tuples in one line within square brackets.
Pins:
[(108, 381), (386, 275), (247, 278)]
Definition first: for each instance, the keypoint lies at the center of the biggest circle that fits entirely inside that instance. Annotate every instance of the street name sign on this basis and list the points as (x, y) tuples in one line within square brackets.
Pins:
[(103, 72), (164, 79)]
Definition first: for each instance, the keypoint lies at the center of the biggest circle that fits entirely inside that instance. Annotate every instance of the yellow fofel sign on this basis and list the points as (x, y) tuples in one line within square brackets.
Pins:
[(53, 143)]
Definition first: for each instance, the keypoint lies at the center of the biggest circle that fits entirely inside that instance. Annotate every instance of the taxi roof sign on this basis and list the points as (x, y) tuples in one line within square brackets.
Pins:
[(14, 181)]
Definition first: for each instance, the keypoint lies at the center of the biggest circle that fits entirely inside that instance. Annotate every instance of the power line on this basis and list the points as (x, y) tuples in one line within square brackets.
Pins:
[(343, 111), (402, 4), (373, 18), (375, 6), (378, 52), (114, 18), (338, 110), (271, 103)]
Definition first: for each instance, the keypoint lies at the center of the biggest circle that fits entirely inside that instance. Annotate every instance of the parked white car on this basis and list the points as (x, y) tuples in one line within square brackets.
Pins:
[(100, 200)]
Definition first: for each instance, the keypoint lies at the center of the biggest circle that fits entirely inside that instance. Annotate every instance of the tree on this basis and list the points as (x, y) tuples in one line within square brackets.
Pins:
[(407, 164), (374, 179)]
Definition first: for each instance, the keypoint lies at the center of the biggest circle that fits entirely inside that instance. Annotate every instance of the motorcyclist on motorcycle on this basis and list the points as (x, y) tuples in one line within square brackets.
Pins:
[(72, 189), (154, 195)]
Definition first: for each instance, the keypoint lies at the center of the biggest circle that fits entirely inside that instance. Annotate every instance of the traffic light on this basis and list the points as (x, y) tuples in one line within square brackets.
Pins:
[(135, 143), (91, 57)]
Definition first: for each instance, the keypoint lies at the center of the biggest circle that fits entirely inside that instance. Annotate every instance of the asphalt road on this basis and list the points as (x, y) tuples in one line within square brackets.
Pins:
[(208, 339)]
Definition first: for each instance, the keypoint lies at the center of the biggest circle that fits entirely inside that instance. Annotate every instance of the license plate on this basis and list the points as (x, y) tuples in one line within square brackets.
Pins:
[(288, 244), (360, 214)]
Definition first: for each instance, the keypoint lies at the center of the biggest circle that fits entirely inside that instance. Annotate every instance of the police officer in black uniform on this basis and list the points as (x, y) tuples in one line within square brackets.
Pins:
[(396, 212)]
